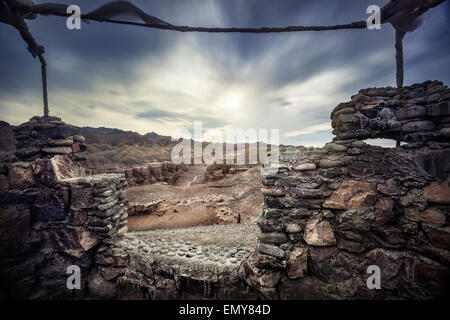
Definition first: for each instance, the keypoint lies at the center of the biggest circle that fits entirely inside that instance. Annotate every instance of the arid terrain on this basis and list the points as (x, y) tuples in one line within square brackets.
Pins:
[(235, 198)]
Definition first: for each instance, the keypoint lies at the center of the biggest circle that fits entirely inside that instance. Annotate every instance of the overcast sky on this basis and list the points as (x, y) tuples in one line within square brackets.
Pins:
[(146, 80)]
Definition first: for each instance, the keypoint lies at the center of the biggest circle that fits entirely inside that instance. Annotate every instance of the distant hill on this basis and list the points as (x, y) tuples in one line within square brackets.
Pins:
[(103, 130), (113, 148), (154, 135)]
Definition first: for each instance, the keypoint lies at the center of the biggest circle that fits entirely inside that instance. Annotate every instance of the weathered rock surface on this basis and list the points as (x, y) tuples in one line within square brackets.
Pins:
[(404, 115), (43, 137), (352, 194), (363, 205), (298, 263), (319, 233)]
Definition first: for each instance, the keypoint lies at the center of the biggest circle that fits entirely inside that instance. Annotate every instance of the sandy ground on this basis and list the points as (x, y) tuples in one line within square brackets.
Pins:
[(234, 199)]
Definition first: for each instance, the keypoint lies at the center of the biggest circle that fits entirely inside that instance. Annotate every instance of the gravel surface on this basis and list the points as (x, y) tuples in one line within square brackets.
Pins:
[(236, 235)]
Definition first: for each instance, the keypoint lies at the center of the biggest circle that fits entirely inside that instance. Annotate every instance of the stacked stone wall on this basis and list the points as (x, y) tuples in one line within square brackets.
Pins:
[(414, 114), (330, 213), (52, 215), (44, 137)]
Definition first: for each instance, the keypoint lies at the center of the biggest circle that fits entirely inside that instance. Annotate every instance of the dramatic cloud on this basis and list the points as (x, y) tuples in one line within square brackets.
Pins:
[(154, 80)]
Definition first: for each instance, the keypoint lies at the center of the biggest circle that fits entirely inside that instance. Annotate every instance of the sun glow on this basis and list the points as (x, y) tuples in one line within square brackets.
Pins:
[(231, 102)]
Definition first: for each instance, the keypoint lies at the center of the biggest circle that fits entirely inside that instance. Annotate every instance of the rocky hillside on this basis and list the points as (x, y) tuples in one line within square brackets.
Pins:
[(107, 147), (114, 148)]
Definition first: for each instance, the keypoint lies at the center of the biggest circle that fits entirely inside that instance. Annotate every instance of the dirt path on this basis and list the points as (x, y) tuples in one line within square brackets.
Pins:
[(194, 172), (201, 174)]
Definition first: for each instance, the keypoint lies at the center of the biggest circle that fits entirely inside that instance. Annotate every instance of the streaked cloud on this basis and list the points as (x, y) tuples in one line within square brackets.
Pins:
[(154, 80)]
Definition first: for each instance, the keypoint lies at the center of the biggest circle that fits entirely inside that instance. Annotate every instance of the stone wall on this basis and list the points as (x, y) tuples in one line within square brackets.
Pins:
[(52, 215), (331, 212), (141, 267), (412, 114), (43, 137)]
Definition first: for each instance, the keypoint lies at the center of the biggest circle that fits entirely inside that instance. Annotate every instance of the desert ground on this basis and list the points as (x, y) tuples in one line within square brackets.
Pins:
[(192, 201)]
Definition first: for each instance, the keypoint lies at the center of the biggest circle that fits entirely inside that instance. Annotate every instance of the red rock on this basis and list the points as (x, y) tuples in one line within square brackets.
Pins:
[(298, 263), (389, 262), (431, 277), (432, 216), (65, 168), (352, 194), (440, 237), (319, 233), (392, 235), (438, 192), (87, 239), (383, 212), (390, 187), (21, 178)]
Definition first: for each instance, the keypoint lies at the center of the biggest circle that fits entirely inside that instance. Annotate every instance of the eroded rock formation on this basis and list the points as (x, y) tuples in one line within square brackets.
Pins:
[(155, 172)]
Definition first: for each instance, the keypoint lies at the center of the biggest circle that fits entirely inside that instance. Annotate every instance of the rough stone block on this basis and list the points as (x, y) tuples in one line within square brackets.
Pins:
[(60, 142), (306, 167), (271, 250), (438, 192), (334, 147), (432, 216), (57, 150), (273, 192), (298, 263), (352, 194), (319, 233), (273, 237), (418, 126), (21, 177), (326, 163)]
